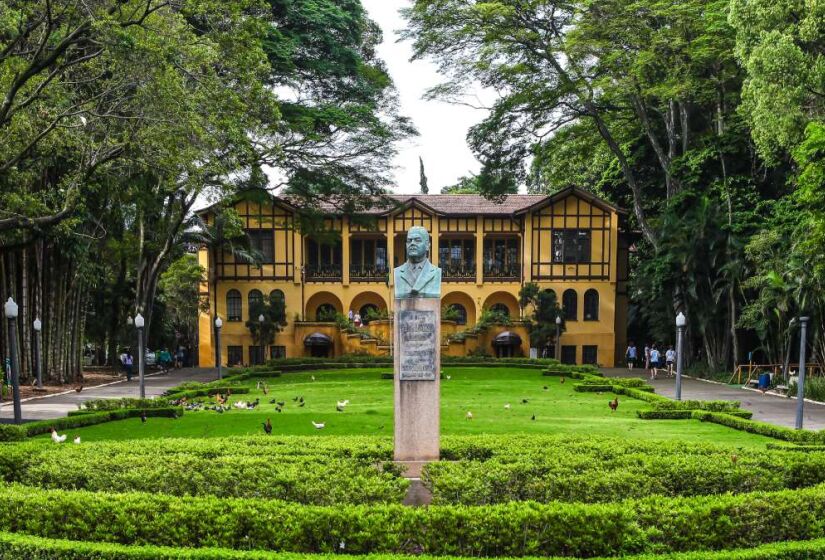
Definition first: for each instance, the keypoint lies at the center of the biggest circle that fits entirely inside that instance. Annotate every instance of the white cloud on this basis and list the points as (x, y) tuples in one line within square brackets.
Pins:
[(442, 126)]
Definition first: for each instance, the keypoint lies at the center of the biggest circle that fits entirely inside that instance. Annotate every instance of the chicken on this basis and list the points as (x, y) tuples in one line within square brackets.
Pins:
[(239, 404), (523, 401), (143, 416), (268, 427), (258, 386), (448, 376), (265, 389), (562, 380), (507, 406), (342, 404), (280, 404), (301, 405), (78, 388), (339, 408), (614, 404), (313, 377), (533, 417), (469, 415), (734, 458), (546, 387), (58, 438), (76, 440), (318, 425)]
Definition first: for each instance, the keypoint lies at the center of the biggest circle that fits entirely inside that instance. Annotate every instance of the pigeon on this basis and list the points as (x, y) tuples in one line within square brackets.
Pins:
[(76, 440), (546, 387), (523, 401), (268, 427), (143, 417), (301, 399), (280, 403), (294, 399), (272, 401), (301, 405), (533, 417), (448, 376), (58, 438), (318, 425), (469, 415), (278, 409), (507, 406)]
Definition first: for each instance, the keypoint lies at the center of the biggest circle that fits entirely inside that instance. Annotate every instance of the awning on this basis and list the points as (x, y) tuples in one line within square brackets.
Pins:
[(507, 338), (317, 339)]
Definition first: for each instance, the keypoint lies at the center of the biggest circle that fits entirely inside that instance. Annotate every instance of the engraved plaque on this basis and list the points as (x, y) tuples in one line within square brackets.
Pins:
[(417, 345)]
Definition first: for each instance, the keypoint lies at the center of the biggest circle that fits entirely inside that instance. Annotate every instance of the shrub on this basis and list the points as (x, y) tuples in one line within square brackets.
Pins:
[(113, 404), (512, 529), (78, 421), (592, 388), (762, 428)]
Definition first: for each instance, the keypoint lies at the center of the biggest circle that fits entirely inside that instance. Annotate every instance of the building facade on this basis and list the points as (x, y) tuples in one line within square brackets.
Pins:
[(571, 242)]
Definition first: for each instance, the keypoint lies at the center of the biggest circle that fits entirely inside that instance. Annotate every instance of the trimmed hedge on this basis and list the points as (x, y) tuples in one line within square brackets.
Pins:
[(677, 414), (9, 432), (712, 406), (592, 388), (98, 405), (761, 428), (513, 529), (207, 392), (25, 547)]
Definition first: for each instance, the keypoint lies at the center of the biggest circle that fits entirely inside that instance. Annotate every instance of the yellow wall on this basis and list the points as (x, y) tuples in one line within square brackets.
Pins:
[(302, 300)]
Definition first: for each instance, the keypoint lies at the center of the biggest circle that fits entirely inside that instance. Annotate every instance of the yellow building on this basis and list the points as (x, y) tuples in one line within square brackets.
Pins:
[(571, 242)]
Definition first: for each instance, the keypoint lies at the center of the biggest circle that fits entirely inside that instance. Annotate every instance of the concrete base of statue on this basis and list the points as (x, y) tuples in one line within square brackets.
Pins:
[(417, 379)]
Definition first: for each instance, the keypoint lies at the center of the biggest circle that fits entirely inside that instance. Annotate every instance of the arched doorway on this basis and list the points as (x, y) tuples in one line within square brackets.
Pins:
[(463, 305), (503, 302), (319, 345), (507, 344), (369, 305)]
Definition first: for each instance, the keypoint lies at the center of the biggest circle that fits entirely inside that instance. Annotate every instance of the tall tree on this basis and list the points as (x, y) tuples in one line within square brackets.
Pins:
[(422, 177)]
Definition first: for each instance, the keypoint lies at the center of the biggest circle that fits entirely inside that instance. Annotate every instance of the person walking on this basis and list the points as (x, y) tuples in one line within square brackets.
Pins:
[(357, 320), (654, 361), (630, 354), (670, 359), (179, 358), (127, 365), (647, 356)]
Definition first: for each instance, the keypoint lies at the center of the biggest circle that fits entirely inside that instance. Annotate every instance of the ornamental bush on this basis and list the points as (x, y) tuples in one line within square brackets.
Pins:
[(514, 529)]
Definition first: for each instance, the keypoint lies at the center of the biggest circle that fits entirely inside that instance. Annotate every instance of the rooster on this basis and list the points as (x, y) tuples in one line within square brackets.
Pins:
[(58, 438), (78, 388), (268, 427), (614, 404)]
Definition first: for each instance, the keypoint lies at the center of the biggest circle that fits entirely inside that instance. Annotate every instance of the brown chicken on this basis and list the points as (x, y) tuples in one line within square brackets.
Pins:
[(562, 380), (78, 388), (614, 404)]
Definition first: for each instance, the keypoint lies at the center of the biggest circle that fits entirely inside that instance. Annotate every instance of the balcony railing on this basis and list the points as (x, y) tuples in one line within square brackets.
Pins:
[(502, 272), (324, 273), (459, 273), (359, 273)]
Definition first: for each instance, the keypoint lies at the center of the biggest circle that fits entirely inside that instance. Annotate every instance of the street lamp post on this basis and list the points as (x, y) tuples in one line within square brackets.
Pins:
[(38, 326), (261, 320), (558, 337), (218, 325), (11, 310), (800, 384), (681, 323), (139, 322)]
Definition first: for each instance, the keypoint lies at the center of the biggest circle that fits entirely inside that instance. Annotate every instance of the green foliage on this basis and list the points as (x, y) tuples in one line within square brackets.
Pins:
[(546, 310), (814, 388), (17, 433)]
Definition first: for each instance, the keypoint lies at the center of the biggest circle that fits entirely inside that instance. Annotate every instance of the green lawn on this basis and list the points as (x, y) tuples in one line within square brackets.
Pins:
[(483, 391)]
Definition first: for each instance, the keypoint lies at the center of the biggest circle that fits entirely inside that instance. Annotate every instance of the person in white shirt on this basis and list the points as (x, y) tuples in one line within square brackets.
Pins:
[(654, 361), (670, 358)]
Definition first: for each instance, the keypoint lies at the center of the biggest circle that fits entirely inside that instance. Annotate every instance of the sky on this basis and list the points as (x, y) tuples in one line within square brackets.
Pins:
[(442, 127)]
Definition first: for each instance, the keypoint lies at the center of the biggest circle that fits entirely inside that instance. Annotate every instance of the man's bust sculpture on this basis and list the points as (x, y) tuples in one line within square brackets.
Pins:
[(417, 277)]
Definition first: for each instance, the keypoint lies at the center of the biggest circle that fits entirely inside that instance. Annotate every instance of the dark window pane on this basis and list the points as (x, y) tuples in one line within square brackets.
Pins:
[(570, 303), (568, 355), (234, 355), (591, 305), (233, 305), (590, 354)]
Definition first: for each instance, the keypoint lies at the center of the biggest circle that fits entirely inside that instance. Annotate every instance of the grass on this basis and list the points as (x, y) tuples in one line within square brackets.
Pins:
[(483, 391)]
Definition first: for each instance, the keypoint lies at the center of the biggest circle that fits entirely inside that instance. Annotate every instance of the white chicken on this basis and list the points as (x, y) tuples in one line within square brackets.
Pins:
[(240, 404), (469, 415), (507, 406), (58, 438), (76, 440), (318, 425), (342, 404)]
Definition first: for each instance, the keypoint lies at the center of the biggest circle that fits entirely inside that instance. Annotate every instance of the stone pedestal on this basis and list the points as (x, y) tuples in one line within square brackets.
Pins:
[(417, 380)]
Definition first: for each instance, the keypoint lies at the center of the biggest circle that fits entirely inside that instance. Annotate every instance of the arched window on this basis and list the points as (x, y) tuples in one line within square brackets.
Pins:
[(255, 301), (325, 312), (591, 305), (276, 297), (501, 309), (368, 311), (570, 303), (460, 313), (234, 305)]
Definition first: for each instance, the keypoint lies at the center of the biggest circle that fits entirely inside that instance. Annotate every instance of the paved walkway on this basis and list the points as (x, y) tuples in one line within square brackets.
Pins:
[(56, 406), (766, 408)]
